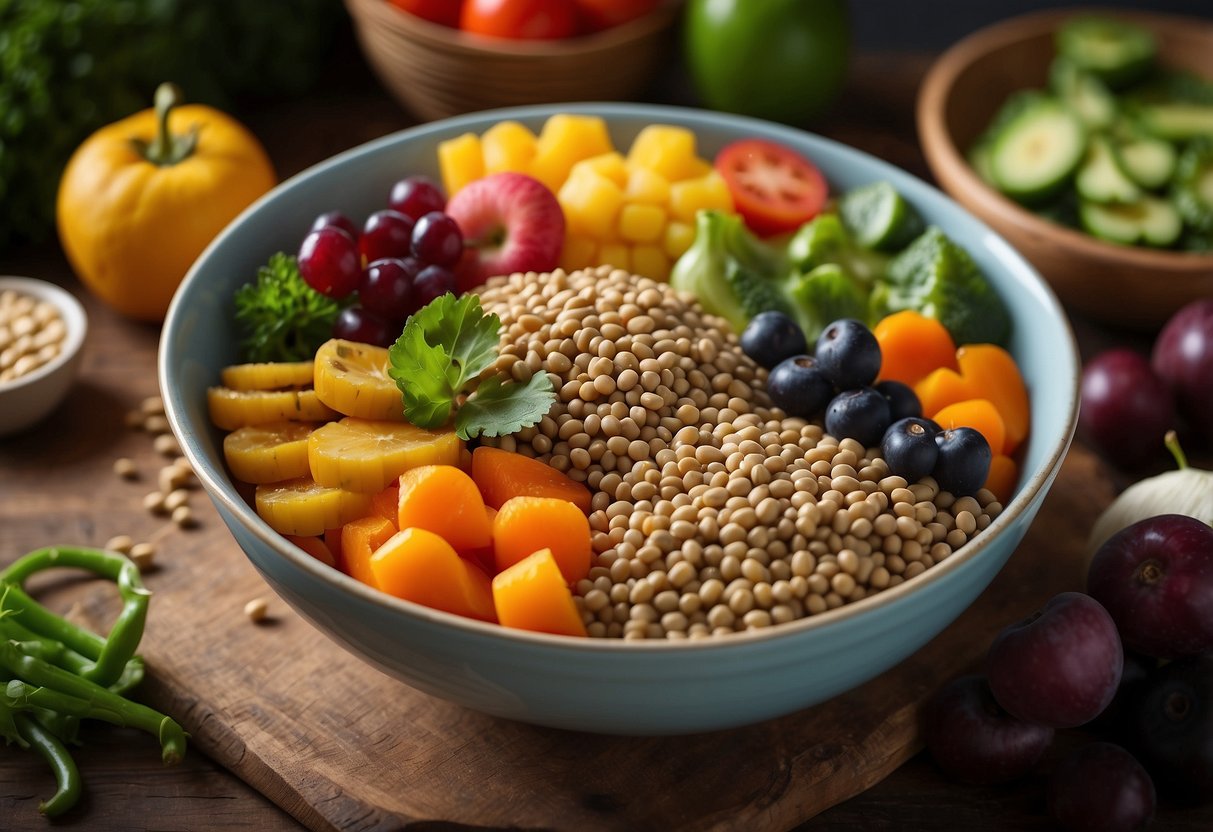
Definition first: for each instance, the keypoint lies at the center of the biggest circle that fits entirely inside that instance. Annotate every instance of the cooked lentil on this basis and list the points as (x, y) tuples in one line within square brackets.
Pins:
[(713, 512), (32, 333)]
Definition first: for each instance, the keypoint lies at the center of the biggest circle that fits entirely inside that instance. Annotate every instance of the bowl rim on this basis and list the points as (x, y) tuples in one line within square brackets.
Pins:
[(941, 151), (224, 492), (75, 322)]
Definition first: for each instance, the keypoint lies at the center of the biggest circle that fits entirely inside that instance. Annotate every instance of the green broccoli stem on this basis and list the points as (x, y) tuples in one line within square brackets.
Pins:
[(68, 785), (112, 655), (167, 148)]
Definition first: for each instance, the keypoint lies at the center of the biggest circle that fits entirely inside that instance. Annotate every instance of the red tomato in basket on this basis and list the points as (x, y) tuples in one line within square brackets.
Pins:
[(444, 12), (603, 14), (774, 188), (519, 19)]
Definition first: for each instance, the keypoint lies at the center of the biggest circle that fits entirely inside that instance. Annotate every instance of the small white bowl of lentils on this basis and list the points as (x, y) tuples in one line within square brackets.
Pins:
[(42, 329)]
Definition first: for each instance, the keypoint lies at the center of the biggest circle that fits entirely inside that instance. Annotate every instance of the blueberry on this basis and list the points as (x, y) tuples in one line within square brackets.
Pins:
[(861, 414), (799, 387), (909, 447), (964, 461), (849, 353), (771, 337), (903, 401)]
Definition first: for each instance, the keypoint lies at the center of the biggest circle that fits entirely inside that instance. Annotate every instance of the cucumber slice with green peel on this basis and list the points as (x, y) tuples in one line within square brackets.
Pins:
[(1148, 162), (1176, 121), (1117, 52), (979, 160), (1034, 154), (1100, 179), (1088, 96), (1192, 188), (1148, 221), (878, 217)]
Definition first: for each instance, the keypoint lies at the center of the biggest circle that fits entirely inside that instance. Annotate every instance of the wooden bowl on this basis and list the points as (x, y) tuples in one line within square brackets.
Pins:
[(436, 71), (1122, 285)]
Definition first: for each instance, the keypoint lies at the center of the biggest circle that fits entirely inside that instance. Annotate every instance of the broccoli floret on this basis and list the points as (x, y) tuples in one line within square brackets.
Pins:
[(823, 296), (1192, 188), (825, 239), (730, 271), (939, 279)]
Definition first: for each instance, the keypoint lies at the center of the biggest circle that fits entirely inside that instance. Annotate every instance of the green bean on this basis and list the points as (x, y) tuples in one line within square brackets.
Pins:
[(67, 777)]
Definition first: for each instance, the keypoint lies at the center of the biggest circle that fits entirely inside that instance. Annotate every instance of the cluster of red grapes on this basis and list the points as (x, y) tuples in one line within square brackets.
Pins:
[(401, 260)]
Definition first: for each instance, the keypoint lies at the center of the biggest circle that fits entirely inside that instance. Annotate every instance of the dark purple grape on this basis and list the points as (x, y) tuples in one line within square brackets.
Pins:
[(799, 387), (1183, 358), (1126, 408), (861, 414), (903, 401), (416, 196), (1173, 728), (432, 282), (387, 288), (328, 262), (772, 337), (964, 461), (909, 447), (354, 323), (1101, 787), (437, 240), (387, 233), (849, 354), (974, 740), (336, 219)]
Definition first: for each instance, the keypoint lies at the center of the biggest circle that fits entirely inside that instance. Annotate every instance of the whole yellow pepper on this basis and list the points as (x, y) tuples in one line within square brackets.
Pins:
[(138, 203)]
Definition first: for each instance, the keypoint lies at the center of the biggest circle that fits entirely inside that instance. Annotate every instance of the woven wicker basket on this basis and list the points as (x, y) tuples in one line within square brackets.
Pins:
[(436, 71)]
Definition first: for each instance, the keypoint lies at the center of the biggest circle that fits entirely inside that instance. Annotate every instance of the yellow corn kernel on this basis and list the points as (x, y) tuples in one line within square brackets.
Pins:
[(303, 507), (269, 375), (641, 223), (646, 186), (650, 261), (365, 455), (271, 452), (666, 150), (693, 195), (564, 140), (507, 146), (578, 252), (591, 203), (352, 378), (615, 254), (678, 238), (460, 161), (231, 409), (610, 165)]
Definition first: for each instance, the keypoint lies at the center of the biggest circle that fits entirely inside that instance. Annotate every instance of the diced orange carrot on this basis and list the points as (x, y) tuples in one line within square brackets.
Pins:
[(359, 540), (483, 556), (1004, 474), (994, 375), (525, 525), (314, 546), (505, 474), (387, 502), (912, 345), (940, 388), (532, 595), (979, 414), (444, 500), (419, 566)]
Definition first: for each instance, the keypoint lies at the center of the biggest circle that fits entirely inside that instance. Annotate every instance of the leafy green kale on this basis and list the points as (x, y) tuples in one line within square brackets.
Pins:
[(281, 318), (824, 295), (438, 363), (825, 239)]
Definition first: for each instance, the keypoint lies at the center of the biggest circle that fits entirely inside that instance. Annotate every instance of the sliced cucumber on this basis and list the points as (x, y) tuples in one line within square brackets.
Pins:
[(879, 217), (1149, 221), (1176, 121), (979, 159), (1192, 189), (1099, 179), (1119, 53), (1084, 93), (1148, 162), (1035, 152)]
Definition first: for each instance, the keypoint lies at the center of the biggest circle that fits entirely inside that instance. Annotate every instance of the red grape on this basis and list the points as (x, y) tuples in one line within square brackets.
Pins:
[(387, 288), (432, 282), (1101, 786), (437, 239), (355, 323), (328, 262), (336, 219), (387, 233), (1126, 408), (1183, 358), (416, 196)]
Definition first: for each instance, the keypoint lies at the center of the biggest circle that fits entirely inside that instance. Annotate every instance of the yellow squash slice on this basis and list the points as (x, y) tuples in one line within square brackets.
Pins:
[(302, 507), (267, 375), (231, 409), (366, 456), (352, 379), (270, 452)]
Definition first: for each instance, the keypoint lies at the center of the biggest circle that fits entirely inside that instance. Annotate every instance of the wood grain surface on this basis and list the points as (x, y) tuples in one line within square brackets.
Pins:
[(316, 739)]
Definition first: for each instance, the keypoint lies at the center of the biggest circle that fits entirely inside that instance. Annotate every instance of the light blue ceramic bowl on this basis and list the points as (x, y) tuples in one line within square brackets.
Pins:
[(600, 685)]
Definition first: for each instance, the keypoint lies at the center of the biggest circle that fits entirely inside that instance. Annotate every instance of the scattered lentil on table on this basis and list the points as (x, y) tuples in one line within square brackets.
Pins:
[(712, 511)]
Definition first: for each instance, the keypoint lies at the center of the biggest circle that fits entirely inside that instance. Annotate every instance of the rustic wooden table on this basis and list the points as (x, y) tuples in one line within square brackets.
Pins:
[(126, 788)]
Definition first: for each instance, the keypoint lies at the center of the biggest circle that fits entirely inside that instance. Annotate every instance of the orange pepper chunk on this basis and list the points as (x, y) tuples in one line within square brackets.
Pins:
[(314, 546), (995, 376), (505, 474), (359, 540), (912, 345), (979, 414), (418, 565), (533, 595), (444, 500), (525, 525), (386, 502), (940, 388), (1003, 476)]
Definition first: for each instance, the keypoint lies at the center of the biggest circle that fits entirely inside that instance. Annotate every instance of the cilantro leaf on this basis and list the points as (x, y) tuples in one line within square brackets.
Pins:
[(280, 317), (420, 371), (498, 408), (469, 336)]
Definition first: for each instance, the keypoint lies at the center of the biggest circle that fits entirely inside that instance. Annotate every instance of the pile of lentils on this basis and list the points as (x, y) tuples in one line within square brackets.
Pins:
[(712, 511)]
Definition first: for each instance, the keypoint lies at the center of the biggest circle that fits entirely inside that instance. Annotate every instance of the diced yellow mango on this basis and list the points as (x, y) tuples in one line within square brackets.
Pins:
[(507, 146), (678, 238), (690, 196), (578, 252), (460, 161), (615, 254), (610, 165), (564, 140), (647, 186), (639, 223), (667, 150), (650, 261), (591, 202)]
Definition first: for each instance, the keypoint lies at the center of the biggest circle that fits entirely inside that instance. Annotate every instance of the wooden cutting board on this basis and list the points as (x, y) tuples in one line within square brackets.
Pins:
[(341, 746)]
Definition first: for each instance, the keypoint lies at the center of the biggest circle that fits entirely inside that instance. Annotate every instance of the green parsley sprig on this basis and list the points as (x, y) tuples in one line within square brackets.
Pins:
[(437, 362), (281, 318)]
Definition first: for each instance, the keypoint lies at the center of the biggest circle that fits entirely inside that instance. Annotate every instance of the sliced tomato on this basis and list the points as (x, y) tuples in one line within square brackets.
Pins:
[(774, 188), (519, 19)]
